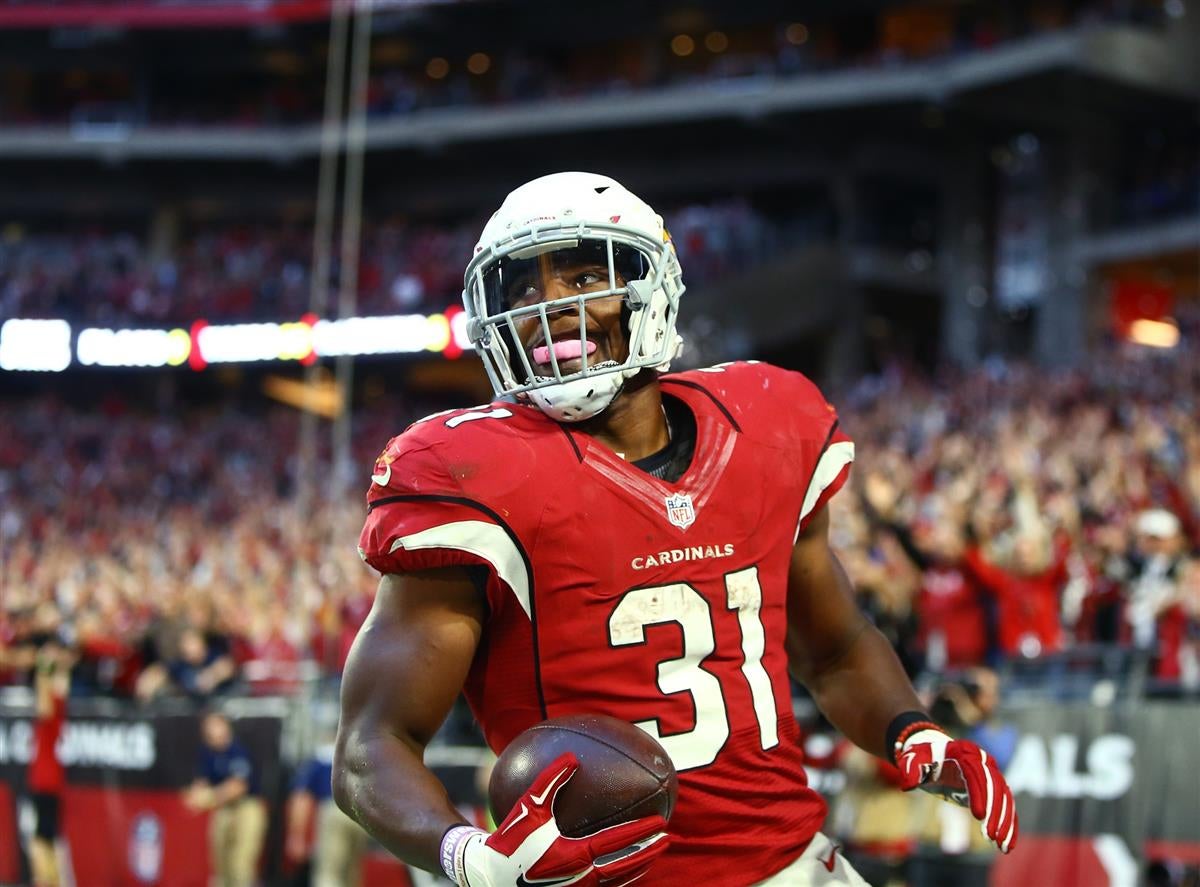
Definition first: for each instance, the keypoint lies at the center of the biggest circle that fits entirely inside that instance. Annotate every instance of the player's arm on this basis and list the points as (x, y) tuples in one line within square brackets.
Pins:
[(845, 662), (406, 667), (230, 790), (858, 682), (43, 687), (405, 670)]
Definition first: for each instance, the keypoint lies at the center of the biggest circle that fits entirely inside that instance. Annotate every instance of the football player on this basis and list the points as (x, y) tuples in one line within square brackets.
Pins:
[(609, 537)]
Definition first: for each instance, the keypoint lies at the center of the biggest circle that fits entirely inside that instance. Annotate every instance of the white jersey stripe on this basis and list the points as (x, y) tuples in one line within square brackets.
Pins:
[(836, 457), (481, 539)]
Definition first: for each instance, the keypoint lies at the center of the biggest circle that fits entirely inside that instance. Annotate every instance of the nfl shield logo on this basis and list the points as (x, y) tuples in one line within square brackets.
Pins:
[(680, 511), (146, 848)]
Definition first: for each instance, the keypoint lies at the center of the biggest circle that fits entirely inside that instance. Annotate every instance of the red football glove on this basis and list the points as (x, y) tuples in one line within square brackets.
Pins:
[(528, 850), (962, 772)]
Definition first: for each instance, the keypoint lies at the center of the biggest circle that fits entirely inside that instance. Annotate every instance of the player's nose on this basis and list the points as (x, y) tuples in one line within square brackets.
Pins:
[(555, 287)]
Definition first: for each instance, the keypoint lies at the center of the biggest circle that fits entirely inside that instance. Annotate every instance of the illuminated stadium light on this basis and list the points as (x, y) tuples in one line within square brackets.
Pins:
[(1154, 333), (796, 34), (479, 63), (460, 341), (683, 45), (46, 344), (395, 334), (251, 342), (716, 41), (133, 348), (37, 345)]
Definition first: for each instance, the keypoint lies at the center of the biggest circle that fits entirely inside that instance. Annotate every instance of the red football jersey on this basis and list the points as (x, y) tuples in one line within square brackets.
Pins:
[(660, 603), (46, 773)]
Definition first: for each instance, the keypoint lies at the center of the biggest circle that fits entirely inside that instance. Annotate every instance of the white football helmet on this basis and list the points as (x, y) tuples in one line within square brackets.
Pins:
[(592, 215)]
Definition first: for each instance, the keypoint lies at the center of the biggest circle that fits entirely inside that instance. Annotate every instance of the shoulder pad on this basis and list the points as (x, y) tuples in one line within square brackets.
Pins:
[(444, 452), (761, 395)]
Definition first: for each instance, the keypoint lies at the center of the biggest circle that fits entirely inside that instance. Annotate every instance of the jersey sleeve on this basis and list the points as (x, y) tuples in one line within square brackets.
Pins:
[(830, 475), (414, 503), (420, 517)]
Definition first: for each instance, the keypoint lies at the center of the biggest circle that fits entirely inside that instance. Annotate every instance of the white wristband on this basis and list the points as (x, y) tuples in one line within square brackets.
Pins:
[(453, 844)]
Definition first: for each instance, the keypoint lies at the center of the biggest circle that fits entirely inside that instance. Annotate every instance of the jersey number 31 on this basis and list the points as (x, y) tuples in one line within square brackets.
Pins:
[(684, 605)]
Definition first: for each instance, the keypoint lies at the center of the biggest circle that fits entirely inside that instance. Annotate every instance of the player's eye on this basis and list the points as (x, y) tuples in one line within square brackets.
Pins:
[(589, 278), (522, 294)]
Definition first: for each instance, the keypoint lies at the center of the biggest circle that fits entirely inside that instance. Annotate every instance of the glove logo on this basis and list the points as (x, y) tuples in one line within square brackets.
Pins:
[(831, 862), (557, 882)]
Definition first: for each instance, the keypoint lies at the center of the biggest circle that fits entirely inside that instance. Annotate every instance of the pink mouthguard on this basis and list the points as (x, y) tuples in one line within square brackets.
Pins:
[(568, 349)]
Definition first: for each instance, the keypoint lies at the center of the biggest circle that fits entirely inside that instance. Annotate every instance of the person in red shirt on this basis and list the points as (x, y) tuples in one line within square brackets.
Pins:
[(953, 629), (1027, 594), (47, 778), (610, 537)]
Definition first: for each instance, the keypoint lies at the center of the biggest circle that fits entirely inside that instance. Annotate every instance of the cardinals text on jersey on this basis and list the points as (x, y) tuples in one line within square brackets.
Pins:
[(610, 591)]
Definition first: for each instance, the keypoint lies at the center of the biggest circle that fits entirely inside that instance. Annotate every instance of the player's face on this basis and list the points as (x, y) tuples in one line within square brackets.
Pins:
[(559, 275)]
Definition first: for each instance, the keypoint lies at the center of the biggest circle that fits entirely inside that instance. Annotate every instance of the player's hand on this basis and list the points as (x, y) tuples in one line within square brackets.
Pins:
[(528, 850), (962, 772)]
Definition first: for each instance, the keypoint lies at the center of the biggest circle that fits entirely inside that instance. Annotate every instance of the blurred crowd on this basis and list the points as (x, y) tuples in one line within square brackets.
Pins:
[(232, 272), (281, 83), (175, 552), (263, 272), (1011, 514), (997, 516)]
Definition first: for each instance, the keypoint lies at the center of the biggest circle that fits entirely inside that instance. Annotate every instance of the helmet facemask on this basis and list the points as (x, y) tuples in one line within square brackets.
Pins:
[(526, 283)]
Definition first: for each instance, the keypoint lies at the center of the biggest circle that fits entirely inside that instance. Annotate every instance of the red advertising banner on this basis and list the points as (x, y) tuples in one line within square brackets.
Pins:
[(123, 817), (157, 14)]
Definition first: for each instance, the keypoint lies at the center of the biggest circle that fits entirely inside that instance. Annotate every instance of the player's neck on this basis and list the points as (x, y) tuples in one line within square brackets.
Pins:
[(634, 426)]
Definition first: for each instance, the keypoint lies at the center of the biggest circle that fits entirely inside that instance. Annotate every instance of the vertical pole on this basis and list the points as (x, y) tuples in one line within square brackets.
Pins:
[(322, 247), (356, 139)]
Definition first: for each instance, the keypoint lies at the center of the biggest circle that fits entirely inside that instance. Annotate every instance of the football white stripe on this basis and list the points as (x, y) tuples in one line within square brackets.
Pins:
[(481, 539)]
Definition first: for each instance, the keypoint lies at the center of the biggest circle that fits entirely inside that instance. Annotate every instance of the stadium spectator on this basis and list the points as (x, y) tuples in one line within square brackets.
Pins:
[(226, 787), (47, 777), (339, 842), (950, 607), (202, 666), (1156, 599), (1027, 595)]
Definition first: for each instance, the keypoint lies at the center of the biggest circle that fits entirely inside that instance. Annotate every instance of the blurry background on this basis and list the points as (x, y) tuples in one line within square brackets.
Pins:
[(231, 245)]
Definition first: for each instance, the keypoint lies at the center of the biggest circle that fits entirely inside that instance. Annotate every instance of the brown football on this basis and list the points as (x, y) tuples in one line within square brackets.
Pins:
[(623, 774)]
